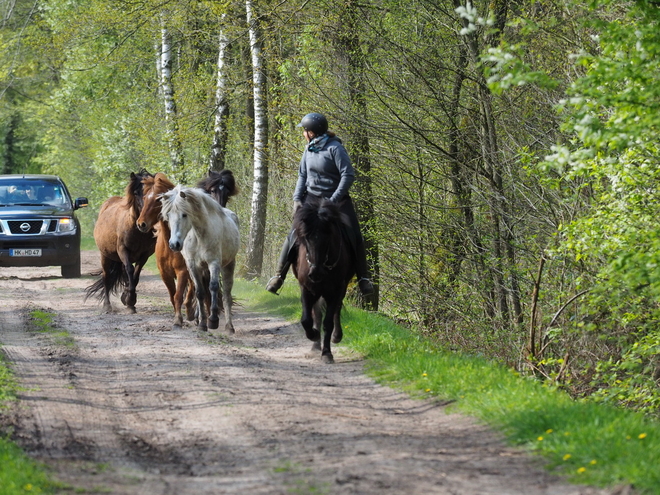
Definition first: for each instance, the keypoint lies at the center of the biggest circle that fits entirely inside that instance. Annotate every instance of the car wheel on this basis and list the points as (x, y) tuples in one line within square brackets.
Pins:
[(72, 270)]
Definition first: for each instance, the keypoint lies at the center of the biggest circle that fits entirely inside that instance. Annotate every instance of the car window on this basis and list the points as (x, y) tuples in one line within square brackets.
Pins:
[(32, 193)]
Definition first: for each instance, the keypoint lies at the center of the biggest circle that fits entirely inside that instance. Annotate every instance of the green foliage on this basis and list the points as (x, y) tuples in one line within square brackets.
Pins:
[(612, 115)]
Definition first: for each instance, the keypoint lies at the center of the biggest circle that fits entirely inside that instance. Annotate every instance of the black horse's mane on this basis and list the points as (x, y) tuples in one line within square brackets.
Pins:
[(221, 185), (314, 215)]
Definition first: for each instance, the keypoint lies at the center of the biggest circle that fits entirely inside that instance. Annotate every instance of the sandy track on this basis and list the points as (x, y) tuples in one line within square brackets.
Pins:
[(135, 407)]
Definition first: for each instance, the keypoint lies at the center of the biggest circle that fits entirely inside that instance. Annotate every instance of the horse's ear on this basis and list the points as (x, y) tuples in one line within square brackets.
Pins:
[(209, 173), (182, 194), (132, 175)]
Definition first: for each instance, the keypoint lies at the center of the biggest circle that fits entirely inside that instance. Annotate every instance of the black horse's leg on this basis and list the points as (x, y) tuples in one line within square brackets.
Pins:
[(337, 332), (307, 319), (328, 323), (317, 314)]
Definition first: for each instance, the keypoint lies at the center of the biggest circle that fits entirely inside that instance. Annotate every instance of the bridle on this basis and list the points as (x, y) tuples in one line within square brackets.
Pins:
[(326, 264)]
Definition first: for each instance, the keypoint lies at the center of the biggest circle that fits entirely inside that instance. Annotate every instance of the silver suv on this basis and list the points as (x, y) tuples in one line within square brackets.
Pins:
[(38, 226)]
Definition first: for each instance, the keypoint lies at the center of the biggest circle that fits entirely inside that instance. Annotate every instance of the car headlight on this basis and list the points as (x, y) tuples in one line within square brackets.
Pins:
[(67, 225)]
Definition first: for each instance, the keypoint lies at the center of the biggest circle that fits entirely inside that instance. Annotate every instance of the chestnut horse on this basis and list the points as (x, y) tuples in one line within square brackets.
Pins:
[(172, 266), (324, 268), (124, 249)]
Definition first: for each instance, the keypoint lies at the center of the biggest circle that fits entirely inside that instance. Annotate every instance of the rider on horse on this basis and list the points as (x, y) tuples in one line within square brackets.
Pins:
[(325, 171)]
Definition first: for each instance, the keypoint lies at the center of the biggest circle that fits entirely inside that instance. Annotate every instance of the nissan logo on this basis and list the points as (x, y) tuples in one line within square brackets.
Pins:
[(25, 227)]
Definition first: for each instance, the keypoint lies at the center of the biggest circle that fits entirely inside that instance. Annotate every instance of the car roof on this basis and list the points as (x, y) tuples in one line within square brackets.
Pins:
[(29, 176)]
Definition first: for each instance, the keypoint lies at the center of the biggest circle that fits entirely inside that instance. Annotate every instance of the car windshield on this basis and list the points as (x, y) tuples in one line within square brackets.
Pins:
[(31, 192)]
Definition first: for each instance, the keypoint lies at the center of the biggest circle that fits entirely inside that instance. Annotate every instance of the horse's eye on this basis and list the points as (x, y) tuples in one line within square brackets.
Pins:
[(185, 215)]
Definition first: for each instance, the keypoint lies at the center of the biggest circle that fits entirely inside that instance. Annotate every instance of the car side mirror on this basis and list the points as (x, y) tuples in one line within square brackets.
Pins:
[(80, 203)]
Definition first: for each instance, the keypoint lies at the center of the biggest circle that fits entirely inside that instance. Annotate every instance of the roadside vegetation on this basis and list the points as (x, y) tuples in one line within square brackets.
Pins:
[(18, 473), (590, 443)]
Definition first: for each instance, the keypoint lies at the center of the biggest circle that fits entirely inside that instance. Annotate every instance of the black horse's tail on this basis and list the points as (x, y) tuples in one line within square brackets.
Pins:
[(115, 276)]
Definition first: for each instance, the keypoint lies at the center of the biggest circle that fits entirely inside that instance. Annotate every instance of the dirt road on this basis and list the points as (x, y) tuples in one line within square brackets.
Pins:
[(131, 406)]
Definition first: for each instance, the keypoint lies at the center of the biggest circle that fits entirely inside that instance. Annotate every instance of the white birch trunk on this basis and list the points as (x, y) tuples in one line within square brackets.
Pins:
[(171, 125), (219, 146), (255, 248)]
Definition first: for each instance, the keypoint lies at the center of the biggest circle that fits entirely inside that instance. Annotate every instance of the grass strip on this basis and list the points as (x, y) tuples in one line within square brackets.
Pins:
[(589, 443), (18, 473)]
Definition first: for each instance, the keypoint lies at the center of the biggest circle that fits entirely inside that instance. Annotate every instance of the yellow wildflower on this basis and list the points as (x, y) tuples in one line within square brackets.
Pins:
[(424, 374), (593, 461), (581, 470), (540, 439), (567, 457), (642, 436), (548, 431), (428, 390)]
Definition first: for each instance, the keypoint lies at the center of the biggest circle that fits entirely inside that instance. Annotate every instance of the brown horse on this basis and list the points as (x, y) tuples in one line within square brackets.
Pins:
[(172, 266), (124, 249), (324, 268)]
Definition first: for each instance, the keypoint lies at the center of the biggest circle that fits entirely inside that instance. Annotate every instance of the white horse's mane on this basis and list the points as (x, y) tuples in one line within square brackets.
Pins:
[(196, 201)]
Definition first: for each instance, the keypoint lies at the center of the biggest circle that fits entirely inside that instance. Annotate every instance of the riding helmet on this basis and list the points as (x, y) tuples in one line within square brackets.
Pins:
[(315, 122)]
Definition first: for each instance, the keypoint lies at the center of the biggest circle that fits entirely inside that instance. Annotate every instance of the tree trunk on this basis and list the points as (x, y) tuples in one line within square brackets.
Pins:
[(350, 50), (219, 146), (255, 249), (171, 119)]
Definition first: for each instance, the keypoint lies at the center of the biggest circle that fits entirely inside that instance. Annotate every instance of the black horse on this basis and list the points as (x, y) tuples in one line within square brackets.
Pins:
[(220, 185), (324, 268)]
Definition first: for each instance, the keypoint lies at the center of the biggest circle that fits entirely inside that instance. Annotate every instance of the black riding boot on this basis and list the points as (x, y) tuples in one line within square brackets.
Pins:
[(286, 258)]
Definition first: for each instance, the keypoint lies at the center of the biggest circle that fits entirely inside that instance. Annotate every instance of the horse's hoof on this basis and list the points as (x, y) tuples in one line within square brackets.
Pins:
[(337, 336), (203, 328), (132, 309), (316, 346), (313, 334), (327, 358), (230, 329), (213, 323)]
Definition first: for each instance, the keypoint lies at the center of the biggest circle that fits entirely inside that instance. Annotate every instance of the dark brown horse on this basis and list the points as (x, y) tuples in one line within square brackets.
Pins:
[(324, 268), (172, 266), (124, 249)]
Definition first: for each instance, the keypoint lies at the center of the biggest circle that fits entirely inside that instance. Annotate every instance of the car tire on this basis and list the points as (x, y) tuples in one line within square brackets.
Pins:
[(72, 270)]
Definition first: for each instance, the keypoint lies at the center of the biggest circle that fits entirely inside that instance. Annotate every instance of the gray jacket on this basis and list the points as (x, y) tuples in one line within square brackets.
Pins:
[(328, 172)]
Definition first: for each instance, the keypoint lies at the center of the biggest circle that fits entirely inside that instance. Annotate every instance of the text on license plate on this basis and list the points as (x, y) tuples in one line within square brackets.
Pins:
[(25, 252)]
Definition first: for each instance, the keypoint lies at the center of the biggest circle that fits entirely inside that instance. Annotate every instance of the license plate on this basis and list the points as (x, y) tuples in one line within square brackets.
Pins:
[(25, 252)]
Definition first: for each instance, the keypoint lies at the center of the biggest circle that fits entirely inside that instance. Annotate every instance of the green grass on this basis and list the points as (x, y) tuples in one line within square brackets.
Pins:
[(18, 473), (42, 321), (590, 443)]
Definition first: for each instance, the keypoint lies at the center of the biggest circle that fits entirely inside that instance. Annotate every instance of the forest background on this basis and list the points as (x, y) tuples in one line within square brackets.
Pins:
[(507, 151)]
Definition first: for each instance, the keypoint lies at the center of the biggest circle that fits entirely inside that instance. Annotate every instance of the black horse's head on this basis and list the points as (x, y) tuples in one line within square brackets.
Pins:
[(220, 185)]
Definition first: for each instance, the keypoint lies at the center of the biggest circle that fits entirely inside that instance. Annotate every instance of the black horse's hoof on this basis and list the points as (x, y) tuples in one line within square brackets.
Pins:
[(337, 335), (316, 346), (313, 334), (327, 358), (214, 323)]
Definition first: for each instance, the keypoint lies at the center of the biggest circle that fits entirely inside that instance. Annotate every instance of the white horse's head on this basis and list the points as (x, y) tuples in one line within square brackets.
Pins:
[(177, 212)]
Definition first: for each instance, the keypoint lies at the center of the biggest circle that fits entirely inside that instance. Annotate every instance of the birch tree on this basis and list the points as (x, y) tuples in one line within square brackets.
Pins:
[(167, 91), (219, 145), (254, 258)]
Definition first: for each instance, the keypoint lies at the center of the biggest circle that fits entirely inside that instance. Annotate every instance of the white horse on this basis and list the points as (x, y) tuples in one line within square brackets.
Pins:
[(207, 236)]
